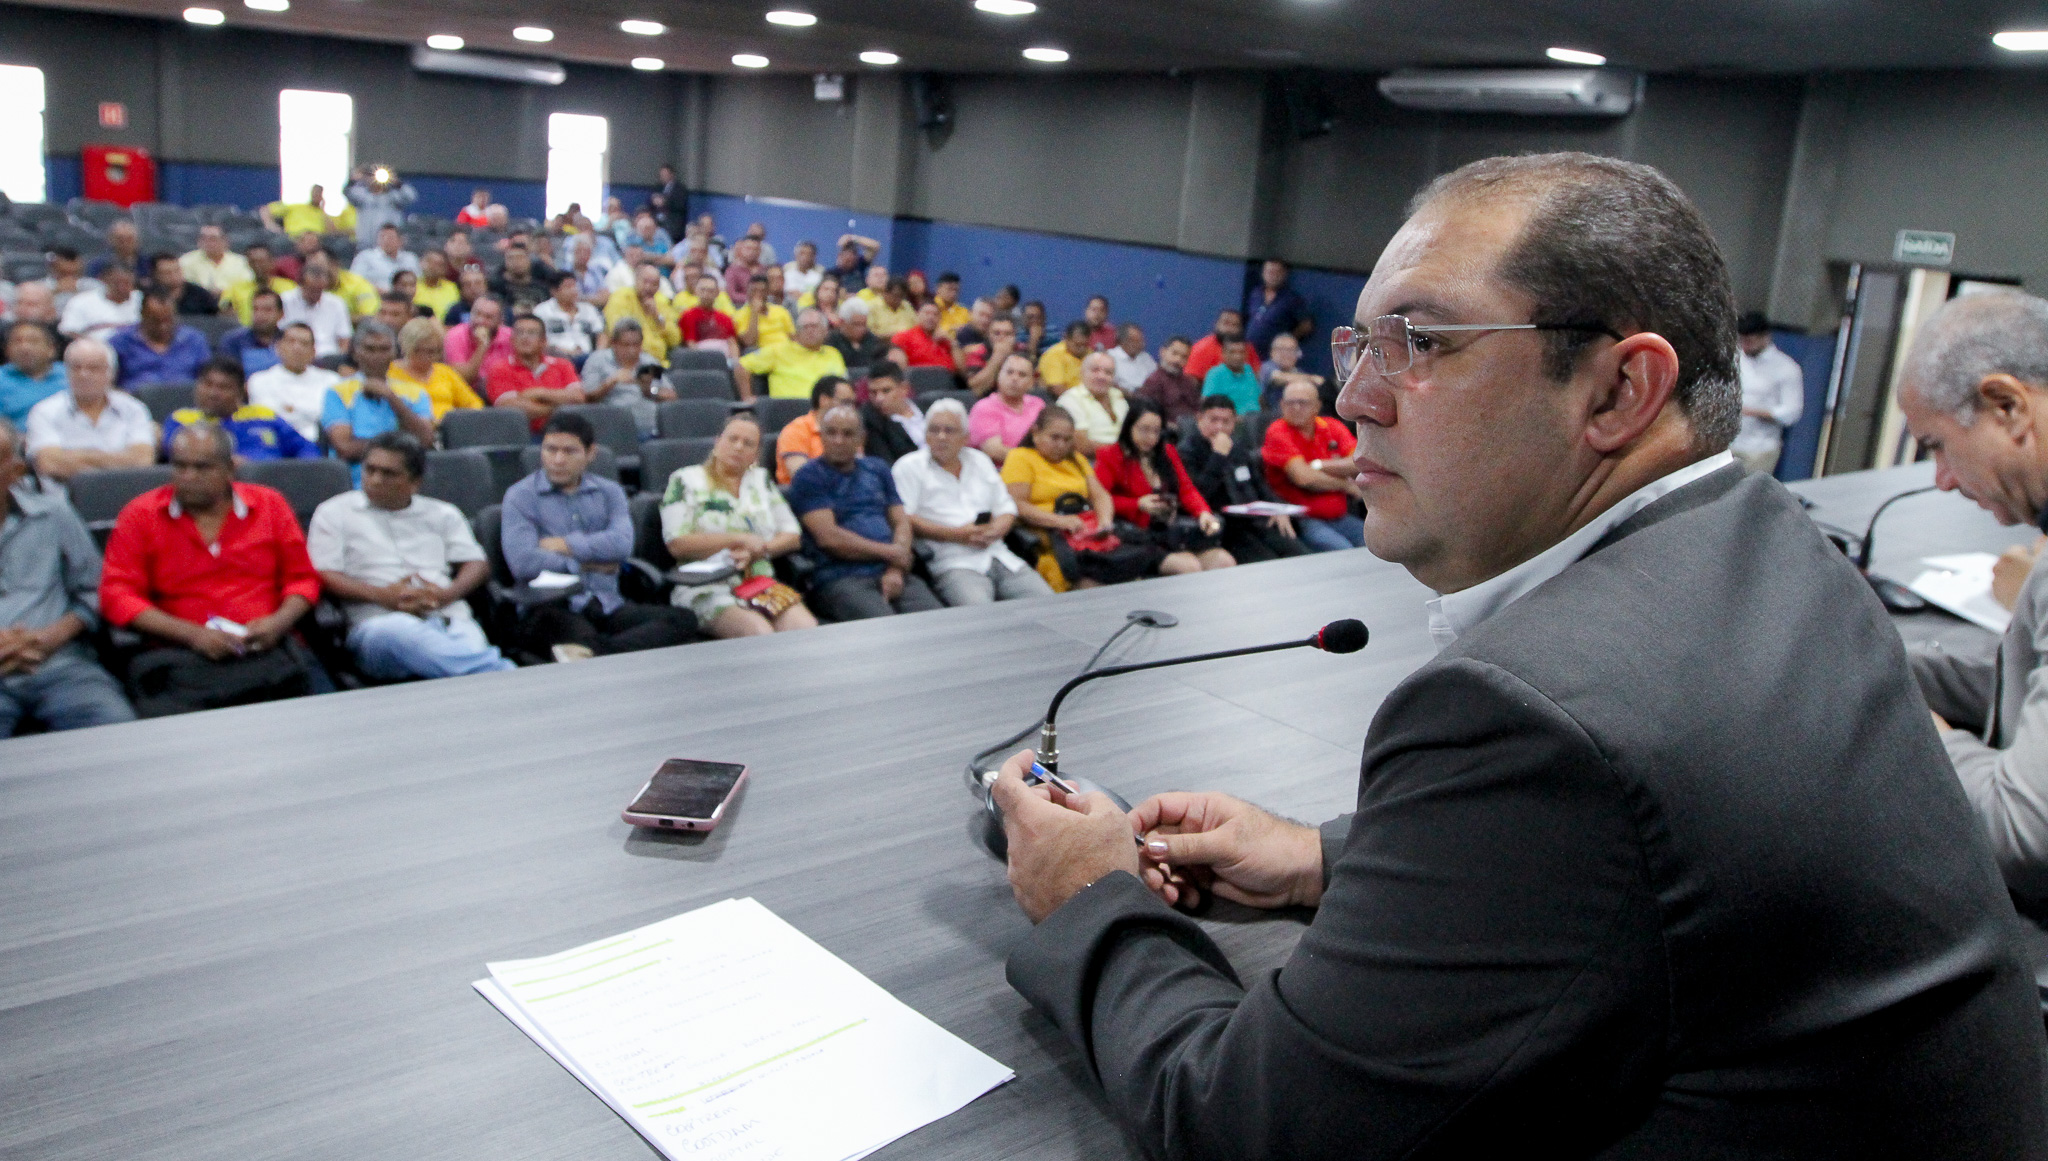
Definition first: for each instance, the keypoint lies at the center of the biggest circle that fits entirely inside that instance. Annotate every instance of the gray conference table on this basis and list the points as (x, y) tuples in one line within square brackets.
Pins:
[(252, 932)]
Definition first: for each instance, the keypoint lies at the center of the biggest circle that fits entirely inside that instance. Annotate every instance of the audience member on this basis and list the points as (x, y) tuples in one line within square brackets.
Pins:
[(124, 248), (379, 262), (32, 373), (214, 573), (1273, 308), (1033, 331), (461, 256), (67, 277), (1134, 364), (894, 427), (858, 347), (35, 302), (296, 218), (157, 349), (167, 277), (923, 344), (476, 214), (471, 286), (359, 409), (648, 305), (625, 375), (802, 274), (689, 279), (325, 314), (90, 424), (421, 346), (403, 566), (1006, 300), (802, 439), (827, 298), (960, 511), (111, 304), (436, 291), (1228, 471), (1054, 486), (1097, 406), (481, 339), (649, 236), (1233, 377), (984, 361), (1308, 462), (794, 366), (1773, 395), (394, 309), (406, 285), (706, 327), (1059, 368), (952, 315), (1003, 419), (1208, 351), (759, 233), (49, 601), (855, 255), (519, 285), (1101, 335), (855, 531), (591, 271), (727, 504), (1153, 495), (295, 389), (742, 266), (305, 247), (531, 380), (1178, 393), (891, 312), (574, 327), (379, 201), (255, 346), (1283, 366), (220, 398), (240, 296), (212, 266), (352, 289), (763, 321), (567, 519)]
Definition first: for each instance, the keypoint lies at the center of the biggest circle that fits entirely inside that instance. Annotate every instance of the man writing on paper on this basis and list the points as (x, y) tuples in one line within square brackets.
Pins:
[(1975, 393), (1640, 865)]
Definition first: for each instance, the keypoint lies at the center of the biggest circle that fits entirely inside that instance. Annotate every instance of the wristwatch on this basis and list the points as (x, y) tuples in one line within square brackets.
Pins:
[(1315, 465)]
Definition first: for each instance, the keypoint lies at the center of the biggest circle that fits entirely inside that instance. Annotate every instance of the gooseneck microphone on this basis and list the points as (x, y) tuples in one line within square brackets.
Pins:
[(1895, 596)]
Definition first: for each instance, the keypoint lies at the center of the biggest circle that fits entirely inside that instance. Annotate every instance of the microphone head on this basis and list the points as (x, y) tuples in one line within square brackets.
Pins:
[(1346, 636)]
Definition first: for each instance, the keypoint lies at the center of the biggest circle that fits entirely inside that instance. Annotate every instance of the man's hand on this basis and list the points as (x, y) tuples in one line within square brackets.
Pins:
[(1221, 443), (1209, 524), (1058, 845), (377, 388), (892, 583), (554, 544), (18, 653), (213, 644), (2009, 575), (1230, 847), (1284, 526), (265, 633)]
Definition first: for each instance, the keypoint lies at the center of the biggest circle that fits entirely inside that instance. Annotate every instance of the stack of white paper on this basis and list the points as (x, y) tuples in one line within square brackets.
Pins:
[(725, 1032), (1962, 585), (1265, 508)]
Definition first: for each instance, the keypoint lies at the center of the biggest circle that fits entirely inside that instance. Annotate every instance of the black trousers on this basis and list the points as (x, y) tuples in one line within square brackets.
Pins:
[(1251, 540), (627, 629)]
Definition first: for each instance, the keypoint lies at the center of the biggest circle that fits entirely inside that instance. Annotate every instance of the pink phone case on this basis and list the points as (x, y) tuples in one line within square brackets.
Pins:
[(676, 822)]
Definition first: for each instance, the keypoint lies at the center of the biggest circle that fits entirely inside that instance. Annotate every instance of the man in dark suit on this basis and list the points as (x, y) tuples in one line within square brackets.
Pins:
[(1660, 857)]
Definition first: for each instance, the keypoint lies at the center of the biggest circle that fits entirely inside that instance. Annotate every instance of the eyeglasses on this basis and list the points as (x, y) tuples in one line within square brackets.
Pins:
[(1393, 341)]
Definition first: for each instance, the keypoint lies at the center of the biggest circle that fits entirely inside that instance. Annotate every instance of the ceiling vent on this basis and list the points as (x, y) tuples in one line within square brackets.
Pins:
[(496, 68), (1529, 92)]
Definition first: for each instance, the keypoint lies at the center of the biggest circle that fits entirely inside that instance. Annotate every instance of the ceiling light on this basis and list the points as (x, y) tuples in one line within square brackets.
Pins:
[(532, 34), (205, 16), (643, 27), (787, 18), (2022, 41), (649, 64), (269, 5), (445, 42), (879, 58), (1006, 7), (1047, 55), (1575, 56), (748, 60)]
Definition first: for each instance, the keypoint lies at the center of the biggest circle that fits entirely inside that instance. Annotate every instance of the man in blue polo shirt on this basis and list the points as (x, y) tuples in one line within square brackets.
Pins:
[(222, 396), (157, 349), (359, 410), (1273, 308), (255, 346), (855, 529), (1233, 378), (32, 372)]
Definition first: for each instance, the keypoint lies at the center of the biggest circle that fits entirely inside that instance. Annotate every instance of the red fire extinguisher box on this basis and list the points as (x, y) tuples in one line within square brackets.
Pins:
[(121, 174)]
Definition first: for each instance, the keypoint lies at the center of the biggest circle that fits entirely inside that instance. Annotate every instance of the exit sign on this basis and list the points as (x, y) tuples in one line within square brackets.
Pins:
[(113, 115), (1924, 248)]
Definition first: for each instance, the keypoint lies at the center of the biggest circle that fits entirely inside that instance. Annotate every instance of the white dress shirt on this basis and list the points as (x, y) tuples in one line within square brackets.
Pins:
[(90, 314), (380, 268), (1132, 370), (1771, 382), (297, 399), (797, 283), (58, 422), (1452, 615), (428, 538), (328, 318), (939, 496)]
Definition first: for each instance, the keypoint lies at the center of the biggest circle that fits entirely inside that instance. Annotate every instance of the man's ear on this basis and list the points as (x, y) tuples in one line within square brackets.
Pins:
[(1634, 380), (2008, 402)]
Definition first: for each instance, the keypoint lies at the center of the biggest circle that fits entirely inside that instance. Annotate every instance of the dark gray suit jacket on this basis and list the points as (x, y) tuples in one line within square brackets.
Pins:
[(1664, 860)]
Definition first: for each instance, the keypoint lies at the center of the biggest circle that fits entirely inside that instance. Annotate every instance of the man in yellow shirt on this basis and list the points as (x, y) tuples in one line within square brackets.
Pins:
[(646, 304), (358, 292), (952, 315), (213, 267), (309, 216), (795, 366), (892, 312), (263, 274), (436, 291), (1060, 367), (763, 322)]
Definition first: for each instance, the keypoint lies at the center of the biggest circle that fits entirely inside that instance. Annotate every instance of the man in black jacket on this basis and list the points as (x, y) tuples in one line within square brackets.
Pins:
[(1226, 470), (1660, 857), (895, 427)]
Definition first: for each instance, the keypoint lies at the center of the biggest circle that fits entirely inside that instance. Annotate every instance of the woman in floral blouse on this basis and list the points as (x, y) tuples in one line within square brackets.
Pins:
[(729, 504)]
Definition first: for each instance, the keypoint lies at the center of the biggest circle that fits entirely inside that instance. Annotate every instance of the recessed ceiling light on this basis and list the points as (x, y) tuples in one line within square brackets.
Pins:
[(879, 58), (650, 64), (445, 42), (1047, 55), (643, 27), (748, 60), (533, 34), (205, 16), (2022, 41), (791, 19), (1574, 56), (1007, 7), (269, 5)]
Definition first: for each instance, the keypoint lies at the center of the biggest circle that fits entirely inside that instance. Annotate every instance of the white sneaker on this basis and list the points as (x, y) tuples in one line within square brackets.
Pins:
[(572, 652)]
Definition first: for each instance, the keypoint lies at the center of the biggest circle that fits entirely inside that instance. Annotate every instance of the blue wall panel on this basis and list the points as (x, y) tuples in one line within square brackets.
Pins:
[(64, 179), (186, 183), (1815, 355)]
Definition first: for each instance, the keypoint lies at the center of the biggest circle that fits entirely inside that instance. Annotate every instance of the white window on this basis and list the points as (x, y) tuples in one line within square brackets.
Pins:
[(22, 176), (315, 145), (577, 148)]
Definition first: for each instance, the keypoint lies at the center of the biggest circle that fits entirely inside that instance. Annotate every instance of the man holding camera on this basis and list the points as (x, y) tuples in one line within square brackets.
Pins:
[(379, 198)]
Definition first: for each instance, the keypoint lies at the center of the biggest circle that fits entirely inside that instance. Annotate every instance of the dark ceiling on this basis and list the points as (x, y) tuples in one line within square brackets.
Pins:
[(1768, 36)]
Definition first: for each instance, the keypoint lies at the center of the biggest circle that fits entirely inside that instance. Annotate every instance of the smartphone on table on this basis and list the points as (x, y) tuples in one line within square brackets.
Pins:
[(686, 794)]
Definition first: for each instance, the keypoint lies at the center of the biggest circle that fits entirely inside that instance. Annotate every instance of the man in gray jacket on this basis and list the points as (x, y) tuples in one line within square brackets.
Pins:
[(1975, 392)]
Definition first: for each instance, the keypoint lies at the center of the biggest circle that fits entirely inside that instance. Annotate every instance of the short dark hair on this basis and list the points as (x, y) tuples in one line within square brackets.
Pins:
[(825, 388), (1232, 341), (263, 246), (117, 268), (7, 332), (408, 448), (516, 245), (391, 226), (1181, 339), (1212, 402), (294, 326), (1095, 298), (1753, 323), (884, 369), (67, 253), (226, 365), (564, 276), (158, 294), (948, 276), (1077, 327), (570, 423), (396, 296), (760, 278), (1011, 289), (527, 318), (1618, 245), (161, 256), (899, 284)]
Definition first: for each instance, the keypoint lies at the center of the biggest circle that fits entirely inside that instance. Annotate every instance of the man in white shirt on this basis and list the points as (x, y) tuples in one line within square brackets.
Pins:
[(802, 274), (625, 272), (1097, 405), (382, 263), (1773, 395), (213, 267), (101, 311), (1134, 364), (401, 564), (326, 315), (295, 388), (575, 328), (960, 511), (89, 425)]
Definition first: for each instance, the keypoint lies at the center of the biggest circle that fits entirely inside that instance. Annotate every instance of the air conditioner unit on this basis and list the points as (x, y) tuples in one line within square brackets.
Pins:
[(495, 68), (1533, 92)]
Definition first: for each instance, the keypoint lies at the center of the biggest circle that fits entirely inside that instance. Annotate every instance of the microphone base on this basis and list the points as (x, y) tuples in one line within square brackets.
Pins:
[(998, 843), (1897, 598)]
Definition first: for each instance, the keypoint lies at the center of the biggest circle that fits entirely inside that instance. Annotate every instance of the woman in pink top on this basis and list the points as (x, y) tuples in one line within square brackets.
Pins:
[(1003, 417)]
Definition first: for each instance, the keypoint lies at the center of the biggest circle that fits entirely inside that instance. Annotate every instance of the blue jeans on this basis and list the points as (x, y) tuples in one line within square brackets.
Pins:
[(67, 692), (1346, 531), (395, 645)]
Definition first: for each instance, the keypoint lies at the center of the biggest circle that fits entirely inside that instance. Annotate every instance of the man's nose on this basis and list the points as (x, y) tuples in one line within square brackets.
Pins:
[(1943, 477), (1366, 397)]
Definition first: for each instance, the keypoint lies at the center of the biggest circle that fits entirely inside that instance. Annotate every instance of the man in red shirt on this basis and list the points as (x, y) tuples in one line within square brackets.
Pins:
[(1308, 462), (532, 380), (216, 573), (1208, 351), (922, 345), (1101, 335), (704, 325)]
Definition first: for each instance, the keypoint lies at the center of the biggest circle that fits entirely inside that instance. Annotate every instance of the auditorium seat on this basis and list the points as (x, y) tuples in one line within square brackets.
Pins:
[(690, 418), (615, 430), (925, 399), (462, 477), (777, 413), (605, 464), (647, 542), (98, 496), (304, 483), (485, 427), (926, 380), (701, 383), (692, 359), (162, 398), (212, 326), (659, 459)]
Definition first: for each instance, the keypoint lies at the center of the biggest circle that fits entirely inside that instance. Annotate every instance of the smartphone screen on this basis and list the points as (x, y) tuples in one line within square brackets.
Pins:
[(687, 789)]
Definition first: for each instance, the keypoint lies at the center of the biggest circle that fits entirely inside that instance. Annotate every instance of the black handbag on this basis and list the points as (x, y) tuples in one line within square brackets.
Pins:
[(173, 680)]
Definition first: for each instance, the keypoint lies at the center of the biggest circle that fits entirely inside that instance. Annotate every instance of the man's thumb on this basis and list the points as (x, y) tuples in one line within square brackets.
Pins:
[(1200, 848)]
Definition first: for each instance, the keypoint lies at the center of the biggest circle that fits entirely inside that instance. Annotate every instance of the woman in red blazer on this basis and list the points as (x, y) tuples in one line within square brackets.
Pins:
[(1154, 497)]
